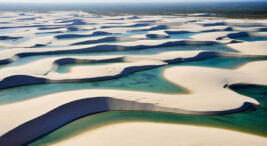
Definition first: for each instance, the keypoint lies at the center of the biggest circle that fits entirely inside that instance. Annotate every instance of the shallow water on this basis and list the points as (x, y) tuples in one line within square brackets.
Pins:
[(252, 39), (148, 51), (251, 121), (216, 62), (15, 41), (125, 35), (128, 34), (182, 35), (131, 33), (60, 33), (221, 62), (149, 80)]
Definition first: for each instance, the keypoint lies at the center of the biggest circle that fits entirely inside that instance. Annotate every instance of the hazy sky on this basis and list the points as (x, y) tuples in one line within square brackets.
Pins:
[(49, 1)]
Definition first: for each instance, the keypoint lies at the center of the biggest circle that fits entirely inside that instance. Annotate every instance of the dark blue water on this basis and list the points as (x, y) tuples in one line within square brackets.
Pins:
[(252, 39)]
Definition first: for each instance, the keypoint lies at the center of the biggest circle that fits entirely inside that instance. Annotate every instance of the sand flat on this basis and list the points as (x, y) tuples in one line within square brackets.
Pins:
[(158, 134)]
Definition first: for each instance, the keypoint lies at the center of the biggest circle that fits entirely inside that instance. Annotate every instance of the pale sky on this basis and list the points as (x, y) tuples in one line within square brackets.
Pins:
[(94, 1)]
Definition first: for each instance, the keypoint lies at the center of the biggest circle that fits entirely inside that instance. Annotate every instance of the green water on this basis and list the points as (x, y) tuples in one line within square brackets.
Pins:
[(251, 121), (216, 62), (149, 80), (221, 62)]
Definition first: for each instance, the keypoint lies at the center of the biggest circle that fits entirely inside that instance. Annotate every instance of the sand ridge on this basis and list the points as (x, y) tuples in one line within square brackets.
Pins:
[(55, 33)]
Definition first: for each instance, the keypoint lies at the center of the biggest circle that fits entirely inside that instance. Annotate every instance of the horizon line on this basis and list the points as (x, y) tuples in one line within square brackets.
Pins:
[(71, 2)]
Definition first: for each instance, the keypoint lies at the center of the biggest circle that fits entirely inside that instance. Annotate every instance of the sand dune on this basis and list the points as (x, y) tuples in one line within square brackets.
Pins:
[(33, 46), (204, 79)]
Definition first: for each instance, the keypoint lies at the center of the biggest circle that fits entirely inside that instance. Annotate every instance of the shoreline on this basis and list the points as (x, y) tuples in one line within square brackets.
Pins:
[(129, 124), (139, 116), (221, 63)]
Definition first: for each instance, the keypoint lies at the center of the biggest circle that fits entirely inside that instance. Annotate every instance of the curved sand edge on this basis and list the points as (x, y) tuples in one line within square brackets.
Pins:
[(253, 48), (79, 108), (202, 80), (158, 134), (34, 108), (44, 69), (8, 55)]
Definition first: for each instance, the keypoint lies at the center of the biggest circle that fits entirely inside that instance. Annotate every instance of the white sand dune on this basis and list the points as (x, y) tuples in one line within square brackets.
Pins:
[(44, 70), (257, 47), (199, 80), (8, 54), (79, 32)]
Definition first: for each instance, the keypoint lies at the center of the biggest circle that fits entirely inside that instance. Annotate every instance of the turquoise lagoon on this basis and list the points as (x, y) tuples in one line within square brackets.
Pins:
[(149, 80), (251, 38), (251, 121), (148, 51)]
